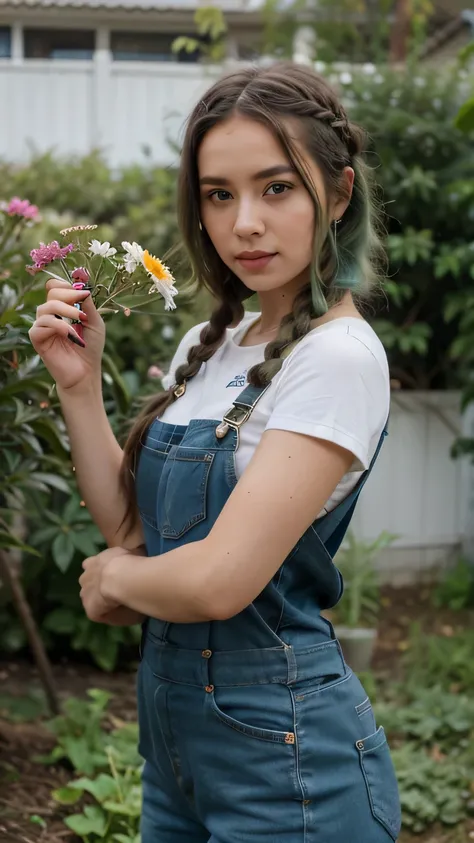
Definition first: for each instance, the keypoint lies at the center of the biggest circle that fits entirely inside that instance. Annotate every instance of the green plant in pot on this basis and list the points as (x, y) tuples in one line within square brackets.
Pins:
[(356, 614)]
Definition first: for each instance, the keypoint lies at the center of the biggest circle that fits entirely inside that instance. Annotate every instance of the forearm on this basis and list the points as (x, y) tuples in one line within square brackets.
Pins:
[(177, 590), (97, 457)]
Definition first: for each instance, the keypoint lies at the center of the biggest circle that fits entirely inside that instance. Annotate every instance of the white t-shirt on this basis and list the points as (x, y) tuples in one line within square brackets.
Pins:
[(334, 385)]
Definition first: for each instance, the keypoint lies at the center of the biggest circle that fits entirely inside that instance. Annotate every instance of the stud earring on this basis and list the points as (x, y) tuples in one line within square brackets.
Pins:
[(336, 223)]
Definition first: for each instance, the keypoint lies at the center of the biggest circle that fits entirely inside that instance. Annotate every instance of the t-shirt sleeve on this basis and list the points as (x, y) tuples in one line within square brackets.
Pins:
[(180, 356), (334, 387)]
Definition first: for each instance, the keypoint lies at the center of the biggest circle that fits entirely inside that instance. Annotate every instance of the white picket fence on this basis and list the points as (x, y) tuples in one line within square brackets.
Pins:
[(75, 106), (417, 491)]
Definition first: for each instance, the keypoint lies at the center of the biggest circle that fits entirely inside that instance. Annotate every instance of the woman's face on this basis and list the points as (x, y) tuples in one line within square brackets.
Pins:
[(254, 206)]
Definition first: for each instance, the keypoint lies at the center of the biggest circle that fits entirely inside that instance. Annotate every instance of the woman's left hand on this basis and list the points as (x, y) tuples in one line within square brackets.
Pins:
[(93, 600)]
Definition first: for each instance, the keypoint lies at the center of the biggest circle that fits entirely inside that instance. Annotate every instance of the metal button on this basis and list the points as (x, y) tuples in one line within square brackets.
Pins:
[(209, 689), (206, 654), (360, 744)]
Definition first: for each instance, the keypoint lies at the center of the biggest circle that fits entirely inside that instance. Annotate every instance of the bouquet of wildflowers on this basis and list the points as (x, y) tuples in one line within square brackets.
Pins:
[(118, 280)]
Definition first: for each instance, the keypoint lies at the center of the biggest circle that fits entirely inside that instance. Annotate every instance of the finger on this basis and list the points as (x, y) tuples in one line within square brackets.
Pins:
[(51, 283), (90, 309), (48, 327), (60, 308), (67, 294)]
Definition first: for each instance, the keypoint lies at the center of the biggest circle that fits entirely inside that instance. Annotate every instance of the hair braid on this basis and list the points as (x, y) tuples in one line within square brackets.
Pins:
[(294, 326), (211, 337)]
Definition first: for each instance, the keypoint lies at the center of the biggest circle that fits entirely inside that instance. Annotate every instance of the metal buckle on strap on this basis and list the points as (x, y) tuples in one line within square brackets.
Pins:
[(234, 418), (179, 390)]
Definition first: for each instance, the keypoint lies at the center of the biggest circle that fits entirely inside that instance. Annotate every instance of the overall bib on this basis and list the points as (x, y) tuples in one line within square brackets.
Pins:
[(253, 729)]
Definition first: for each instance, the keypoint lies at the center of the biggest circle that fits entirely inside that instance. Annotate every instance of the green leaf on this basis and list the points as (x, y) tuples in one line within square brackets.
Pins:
[(66, 795), (45, 534), (63, 551), (25, 386), (7, 540), (185, 44), (104, 648), (122, 395), (78, 751), (92, 821), (465, 117), (53, 480), (84, 543), (102, 788), (62, 621)]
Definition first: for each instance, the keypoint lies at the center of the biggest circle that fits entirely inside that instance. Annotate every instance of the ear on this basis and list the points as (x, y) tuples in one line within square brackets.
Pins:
[(347, 186)]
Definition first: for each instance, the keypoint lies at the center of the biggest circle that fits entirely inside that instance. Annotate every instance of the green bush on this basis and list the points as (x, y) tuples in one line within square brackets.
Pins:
[(110, 769), (425, 166)]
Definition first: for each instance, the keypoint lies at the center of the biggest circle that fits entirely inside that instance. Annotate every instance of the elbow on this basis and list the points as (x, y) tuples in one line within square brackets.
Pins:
[(218, 599)]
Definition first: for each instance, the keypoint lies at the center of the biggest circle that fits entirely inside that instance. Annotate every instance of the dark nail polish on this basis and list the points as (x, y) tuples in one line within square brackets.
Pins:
[(76, 340)]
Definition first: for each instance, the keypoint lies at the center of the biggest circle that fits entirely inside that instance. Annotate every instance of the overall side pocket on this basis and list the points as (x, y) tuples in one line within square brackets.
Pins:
[(381, 781)]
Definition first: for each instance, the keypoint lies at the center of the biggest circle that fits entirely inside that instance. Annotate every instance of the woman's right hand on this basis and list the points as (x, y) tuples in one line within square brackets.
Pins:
[(68, 363)]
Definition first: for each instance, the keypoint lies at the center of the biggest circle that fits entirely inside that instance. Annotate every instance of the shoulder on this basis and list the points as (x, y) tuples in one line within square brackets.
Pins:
[(341, 348)]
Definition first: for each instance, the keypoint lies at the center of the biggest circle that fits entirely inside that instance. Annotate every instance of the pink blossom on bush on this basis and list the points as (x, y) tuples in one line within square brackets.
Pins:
[(46, 254), (21, 208), (155, 372)]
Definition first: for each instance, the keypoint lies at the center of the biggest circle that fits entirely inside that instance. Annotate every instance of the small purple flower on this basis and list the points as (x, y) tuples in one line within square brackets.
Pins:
[(21, 208), (46, 254), (81, 274)]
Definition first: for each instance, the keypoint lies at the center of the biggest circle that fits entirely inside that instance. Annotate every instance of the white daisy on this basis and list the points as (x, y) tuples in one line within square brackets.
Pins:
[(133, 255), (105, 250)]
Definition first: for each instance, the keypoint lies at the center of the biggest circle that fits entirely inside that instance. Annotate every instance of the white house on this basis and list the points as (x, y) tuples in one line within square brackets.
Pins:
[(78, 74)]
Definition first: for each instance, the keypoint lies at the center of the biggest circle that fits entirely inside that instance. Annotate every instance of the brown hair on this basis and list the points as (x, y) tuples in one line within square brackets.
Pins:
[(271, 95)]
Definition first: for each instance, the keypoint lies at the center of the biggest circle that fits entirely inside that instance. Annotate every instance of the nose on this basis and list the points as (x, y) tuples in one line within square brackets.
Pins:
[(249, 220)]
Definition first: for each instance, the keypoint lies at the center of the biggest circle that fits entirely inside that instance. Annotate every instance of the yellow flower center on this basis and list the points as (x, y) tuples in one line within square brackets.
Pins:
[(156, 268)]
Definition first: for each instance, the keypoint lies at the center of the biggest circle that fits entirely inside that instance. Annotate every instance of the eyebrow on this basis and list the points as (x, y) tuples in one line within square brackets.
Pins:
[(263, 174)]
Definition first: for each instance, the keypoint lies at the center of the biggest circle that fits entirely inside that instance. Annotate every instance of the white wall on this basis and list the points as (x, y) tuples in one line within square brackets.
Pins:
[(417, 491)]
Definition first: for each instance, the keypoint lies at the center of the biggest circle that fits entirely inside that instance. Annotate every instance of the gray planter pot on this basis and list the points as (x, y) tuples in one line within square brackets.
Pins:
[(357, 646)]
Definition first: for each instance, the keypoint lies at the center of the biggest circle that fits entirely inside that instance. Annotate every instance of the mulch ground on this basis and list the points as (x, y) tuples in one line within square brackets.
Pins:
[(25, 785)]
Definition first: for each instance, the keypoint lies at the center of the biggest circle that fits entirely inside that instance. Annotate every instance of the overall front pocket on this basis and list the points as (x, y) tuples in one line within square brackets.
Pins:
[(182, 493), (264, 711), (381, 781)]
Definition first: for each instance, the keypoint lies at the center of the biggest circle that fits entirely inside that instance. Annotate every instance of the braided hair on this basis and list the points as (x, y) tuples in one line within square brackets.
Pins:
[(273, 95)]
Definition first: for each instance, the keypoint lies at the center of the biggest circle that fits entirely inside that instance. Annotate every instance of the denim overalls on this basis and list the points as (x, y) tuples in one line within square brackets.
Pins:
[(253, 729)]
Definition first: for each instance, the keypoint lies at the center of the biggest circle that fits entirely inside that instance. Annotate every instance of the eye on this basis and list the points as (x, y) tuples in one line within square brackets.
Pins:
[(220, 195), (278, 189)]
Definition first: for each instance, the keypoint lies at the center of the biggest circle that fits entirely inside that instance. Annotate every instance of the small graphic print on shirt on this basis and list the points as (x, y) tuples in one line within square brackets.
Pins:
[(239, 380)]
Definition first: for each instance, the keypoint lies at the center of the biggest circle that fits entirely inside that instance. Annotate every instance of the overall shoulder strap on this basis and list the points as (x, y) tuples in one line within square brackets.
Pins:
[(332, 527), (241, 409)]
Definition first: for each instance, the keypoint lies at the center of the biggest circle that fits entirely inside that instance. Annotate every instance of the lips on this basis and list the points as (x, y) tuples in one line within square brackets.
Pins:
[(255, 261), (249, 256)]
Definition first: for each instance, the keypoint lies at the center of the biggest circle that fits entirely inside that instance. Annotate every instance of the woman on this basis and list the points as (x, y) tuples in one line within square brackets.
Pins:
[(236, 485)]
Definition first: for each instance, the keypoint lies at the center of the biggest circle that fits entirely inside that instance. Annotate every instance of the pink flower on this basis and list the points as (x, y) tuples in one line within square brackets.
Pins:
[(81, 274), (21, 208), (155, 372), (46, 254)]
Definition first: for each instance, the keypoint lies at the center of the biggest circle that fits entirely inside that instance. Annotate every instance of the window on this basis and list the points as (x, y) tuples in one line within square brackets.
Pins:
[(147, 46), (59, 44), (5, 42)]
